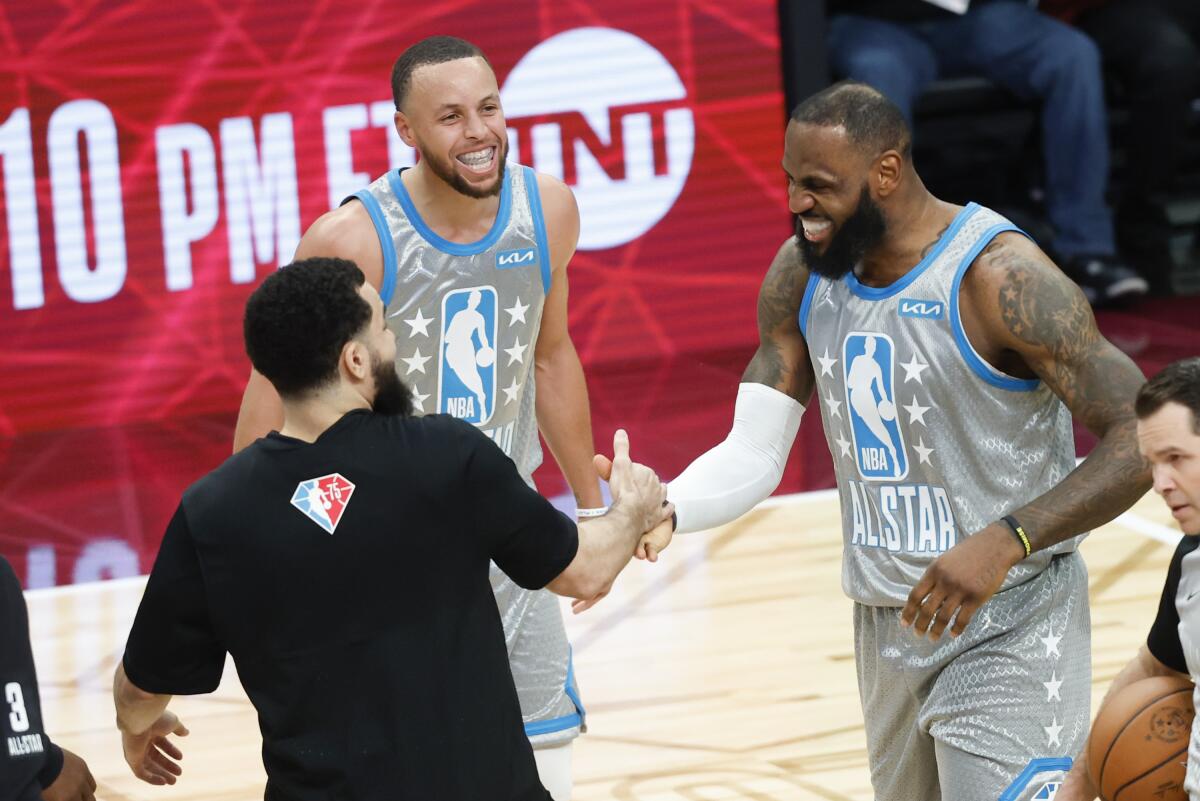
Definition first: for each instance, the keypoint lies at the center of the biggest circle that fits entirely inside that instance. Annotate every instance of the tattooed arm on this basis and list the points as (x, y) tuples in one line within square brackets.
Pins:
[(1037, 313), (1028, 319), (781, 361)]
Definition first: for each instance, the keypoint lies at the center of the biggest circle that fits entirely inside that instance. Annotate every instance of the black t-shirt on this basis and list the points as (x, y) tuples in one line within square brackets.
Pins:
[(348, 578), (28, 760), (1163, 641)]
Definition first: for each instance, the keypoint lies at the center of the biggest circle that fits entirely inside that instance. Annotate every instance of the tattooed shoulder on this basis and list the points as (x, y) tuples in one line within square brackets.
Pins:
[(782, 289)]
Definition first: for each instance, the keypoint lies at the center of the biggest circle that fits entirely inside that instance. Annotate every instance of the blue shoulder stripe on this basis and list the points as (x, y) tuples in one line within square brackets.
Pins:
[(981, 368), (373, 208), (539, 225)]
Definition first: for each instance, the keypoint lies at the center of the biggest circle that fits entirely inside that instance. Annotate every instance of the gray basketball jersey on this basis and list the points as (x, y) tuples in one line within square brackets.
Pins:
[(466, 319), (930, 443)]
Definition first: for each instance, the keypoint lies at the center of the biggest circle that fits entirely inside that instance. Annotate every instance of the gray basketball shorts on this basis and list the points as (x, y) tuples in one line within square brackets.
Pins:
[(539, 656), (996, 714)]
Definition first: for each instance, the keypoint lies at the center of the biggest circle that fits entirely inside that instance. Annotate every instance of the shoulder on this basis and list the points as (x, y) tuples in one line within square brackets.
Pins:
[(347, 233), (559, 208), (782, 289), (1019, 293)]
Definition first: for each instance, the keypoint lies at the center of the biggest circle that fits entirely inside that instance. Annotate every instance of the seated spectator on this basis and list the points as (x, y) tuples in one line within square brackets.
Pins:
[(902, 46), (1150, 49)]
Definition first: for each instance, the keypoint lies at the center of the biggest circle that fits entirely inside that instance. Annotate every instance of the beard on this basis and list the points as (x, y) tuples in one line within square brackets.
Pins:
[(863, 230), (444, 169), (392, 397)]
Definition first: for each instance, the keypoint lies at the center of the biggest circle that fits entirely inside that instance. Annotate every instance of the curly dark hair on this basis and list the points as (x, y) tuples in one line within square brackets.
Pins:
[(1178, 382), (298, 320), (431, 50)]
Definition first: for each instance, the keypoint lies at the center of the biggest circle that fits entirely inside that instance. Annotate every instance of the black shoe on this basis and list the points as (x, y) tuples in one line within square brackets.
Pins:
[(1105, 280)]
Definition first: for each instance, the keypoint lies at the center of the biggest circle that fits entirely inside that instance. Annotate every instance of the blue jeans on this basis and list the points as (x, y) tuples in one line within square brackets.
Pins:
[(1033, 56)]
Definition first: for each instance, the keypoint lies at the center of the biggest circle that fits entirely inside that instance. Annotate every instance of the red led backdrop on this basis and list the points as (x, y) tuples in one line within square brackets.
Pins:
[(159, 160)]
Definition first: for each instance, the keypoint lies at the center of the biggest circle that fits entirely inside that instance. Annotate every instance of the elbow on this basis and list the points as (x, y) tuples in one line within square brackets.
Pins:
[(577, 581)]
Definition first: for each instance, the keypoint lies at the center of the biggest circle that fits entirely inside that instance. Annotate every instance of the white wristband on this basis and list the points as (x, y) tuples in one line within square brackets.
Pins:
[(584, 514)]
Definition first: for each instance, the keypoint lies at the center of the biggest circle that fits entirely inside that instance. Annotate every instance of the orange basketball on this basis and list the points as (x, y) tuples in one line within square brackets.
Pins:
[(1139, 743)]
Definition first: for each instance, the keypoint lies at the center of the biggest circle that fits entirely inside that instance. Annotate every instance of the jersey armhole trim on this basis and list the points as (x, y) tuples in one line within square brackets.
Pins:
[(814, 280), (977, 363), (539, 226), (371, 204)]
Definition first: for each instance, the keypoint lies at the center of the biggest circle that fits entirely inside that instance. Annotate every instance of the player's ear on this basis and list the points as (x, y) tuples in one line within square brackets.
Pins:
[(888, 168), (404, 129), (356, 360)]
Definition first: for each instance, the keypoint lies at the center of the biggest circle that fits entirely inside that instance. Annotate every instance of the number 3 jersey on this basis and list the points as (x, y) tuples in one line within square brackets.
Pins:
[(930, 443), (466, 319)]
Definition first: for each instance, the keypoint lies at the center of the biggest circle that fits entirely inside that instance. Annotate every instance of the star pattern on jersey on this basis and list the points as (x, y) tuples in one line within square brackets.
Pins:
[(922, 451), (835, 406), (416, 362), (419, 400), (510, 392), (1052, 687), (516, 353), (1051, 642), (827, 364), (843, 445), (420, 324), (516, 312), (1052, 732), (916, 412), (913, 369)]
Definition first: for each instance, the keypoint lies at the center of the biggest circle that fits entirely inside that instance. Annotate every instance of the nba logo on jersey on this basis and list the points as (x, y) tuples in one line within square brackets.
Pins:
[(869, 363), (324, 499), (467, 374)]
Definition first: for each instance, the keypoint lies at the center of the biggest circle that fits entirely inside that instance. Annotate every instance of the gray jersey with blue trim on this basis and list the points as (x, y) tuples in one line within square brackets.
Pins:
[(466, 319), (930, 443)]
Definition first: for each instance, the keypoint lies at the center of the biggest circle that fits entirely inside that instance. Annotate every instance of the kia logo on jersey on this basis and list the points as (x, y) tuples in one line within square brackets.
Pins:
[(323, 500)]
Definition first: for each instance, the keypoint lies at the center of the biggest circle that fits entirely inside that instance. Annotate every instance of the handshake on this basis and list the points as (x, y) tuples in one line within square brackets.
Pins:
[(639, 521)]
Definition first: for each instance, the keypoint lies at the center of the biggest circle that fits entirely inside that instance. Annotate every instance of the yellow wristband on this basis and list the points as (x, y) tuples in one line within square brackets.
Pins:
[(1019, 532)]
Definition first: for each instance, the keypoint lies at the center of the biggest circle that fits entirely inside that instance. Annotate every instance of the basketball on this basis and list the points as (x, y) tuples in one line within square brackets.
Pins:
[(485, 357), (887, 410), (1139, 743)]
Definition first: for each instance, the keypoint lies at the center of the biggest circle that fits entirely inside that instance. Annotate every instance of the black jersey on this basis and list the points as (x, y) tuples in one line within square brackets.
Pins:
[(348, 579), (29, 762), (1164, 640)]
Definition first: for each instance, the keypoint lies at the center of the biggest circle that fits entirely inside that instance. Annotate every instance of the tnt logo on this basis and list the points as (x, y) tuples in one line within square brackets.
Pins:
[(869, 361), (606, 112), (516, 258), (467, 374), (323, 500), (926, 309)]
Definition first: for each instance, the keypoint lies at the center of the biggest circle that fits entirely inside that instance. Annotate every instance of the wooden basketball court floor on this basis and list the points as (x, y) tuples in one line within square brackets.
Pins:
[(724, 671)]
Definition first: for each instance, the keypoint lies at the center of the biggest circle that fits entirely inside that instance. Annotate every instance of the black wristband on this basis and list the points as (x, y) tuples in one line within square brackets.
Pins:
[(674, 521), (1018, 532)]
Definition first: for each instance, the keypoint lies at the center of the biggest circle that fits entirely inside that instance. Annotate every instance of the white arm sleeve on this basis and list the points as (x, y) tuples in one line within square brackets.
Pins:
[(726, 482)]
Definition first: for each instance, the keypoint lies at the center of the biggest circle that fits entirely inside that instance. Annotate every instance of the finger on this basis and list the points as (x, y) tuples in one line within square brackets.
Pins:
[(640, 551), (603, 466), (651, 553), (149, 775), (169, 748), (620, 446), (929, 608), (165, 763), (90, 779), (584, 604), (965, 614), (915, 598), (181, 730), (942, 619)]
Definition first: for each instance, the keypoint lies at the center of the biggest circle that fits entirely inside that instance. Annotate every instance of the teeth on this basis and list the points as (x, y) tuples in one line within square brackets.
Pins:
[(478, 158), (814, 228)]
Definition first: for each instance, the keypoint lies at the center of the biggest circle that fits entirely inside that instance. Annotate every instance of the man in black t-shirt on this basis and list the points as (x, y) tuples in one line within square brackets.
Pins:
[(1168, 410), (31, 767), (343, 563)]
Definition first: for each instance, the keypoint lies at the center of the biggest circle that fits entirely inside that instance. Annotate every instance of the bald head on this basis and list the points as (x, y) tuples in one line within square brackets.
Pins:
[(872, 123)]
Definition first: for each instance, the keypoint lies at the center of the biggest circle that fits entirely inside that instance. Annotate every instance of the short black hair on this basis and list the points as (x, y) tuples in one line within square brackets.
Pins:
[(431, 50), (1178, 382), (872, 122), (300, 318)]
